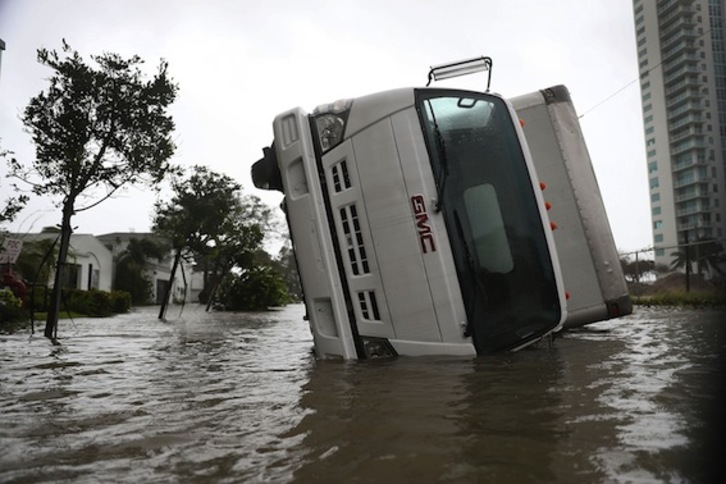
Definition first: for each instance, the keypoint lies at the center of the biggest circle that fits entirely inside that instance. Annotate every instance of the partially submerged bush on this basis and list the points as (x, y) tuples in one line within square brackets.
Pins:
[(256, 289), (11, 307)]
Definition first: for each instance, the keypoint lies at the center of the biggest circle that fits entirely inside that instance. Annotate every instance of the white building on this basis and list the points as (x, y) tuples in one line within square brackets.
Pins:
[(90, 263)]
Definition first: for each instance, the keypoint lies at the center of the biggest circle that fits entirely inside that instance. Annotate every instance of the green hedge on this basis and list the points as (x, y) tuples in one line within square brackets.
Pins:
[(93, 302), (682, 298)]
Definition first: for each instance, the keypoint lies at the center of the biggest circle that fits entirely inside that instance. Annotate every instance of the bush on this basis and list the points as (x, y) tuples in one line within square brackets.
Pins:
[(10, 307), (256, 289), (94, 302), (120, 301)]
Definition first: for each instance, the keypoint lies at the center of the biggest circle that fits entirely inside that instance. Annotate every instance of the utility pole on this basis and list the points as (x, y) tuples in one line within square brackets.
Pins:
[(688, 264), (2, 48)]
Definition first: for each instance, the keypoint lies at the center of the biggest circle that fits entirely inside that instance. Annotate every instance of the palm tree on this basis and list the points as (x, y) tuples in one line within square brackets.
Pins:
[(36, 261), (707, 255), (131, 265)]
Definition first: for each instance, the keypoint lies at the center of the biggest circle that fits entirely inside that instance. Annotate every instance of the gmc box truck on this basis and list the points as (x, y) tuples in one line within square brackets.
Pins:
[(418, 222)]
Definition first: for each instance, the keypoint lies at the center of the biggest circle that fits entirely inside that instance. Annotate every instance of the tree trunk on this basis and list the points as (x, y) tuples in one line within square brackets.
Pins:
[(165, 301), (51, 323)]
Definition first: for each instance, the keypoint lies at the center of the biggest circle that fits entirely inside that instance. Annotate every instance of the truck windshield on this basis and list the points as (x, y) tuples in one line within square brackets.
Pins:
[(491, 214)]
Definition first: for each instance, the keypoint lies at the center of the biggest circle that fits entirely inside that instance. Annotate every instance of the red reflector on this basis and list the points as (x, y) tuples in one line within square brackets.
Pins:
[(521, 122), (548, 205), (553, 226), (542, 185), (567, 295)]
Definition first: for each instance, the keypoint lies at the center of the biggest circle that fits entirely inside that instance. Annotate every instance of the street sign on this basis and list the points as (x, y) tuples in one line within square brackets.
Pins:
[(10, 250)]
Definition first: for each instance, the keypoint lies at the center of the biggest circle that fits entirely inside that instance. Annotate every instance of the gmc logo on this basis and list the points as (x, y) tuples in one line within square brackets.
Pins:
[(425, 234)]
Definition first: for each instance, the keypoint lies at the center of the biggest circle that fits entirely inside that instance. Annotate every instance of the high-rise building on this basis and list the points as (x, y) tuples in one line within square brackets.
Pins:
[(682, 66)]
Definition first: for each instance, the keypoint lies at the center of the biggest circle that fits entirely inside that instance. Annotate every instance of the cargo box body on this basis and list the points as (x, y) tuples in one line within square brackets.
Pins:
[(418, 225), (586, 250)]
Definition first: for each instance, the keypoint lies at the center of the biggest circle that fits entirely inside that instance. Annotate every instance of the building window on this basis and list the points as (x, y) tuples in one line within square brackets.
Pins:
[(659, 252), (655, 197), (658, 224), (656, 210), (651, 153), (657, 238), (652, 166), (654, 182)]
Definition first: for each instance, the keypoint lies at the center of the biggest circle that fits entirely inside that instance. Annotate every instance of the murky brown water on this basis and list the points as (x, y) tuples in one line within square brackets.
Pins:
[(240, 398)]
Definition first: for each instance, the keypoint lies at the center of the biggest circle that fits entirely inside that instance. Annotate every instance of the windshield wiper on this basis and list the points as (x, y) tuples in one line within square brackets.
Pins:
[(443, 172)]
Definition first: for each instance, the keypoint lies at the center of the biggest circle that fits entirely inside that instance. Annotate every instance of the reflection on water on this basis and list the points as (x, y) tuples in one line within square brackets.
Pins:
[(239, 397)]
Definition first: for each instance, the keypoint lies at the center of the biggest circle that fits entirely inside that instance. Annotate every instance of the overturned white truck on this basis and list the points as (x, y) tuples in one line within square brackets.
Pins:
[(418, 223)]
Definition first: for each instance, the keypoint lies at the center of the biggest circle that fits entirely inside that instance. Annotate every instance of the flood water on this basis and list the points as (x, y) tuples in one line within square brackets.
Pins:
[(241, 398)]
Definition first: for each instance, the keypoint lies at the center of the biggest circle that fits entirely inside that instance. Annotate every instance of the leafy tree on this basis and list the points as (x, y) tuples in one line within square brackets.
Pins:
[(209, 220), (97, 128), (635, 269), (131, 268), (288, 268), (12, 205)]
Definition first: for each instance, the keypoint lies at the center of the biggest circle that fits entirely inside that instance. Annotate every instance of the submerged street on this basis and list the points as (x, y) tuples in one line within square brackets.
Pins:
[(222, 397)]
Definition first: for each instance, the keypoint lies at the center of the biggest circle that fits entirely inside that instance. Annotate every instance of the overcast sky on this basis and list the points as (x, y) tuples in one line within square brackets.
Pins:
[(239, 63)]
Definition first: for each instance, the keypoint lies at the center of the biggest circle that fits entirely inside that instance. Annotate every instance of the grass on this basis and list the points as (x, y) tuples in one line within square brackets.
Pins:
[(38, 316), (682, 298)]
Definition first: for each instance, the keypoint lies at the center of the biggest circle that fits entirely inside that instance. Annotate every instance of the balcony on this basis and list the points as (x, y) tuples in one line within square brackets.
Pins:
[(691, 94), (680, 36), (678, 74), (692, 195), (664, 20), (683, 20), (683, 110), (691, 180), (685, 83), (686, 146), (701, 224), (694, 119), (665, 7), (692, 163), (668, 54), (693, 210)]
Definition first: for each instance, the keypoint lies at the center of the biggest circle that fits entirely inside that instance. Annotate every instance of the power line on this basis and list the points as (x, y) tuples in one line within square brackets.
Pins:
[(635, 80)]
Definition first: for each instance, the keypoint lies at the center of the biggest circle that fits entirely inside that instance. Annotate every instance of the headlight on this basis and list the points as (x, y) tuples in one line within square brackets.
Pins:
[(330, 121)]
